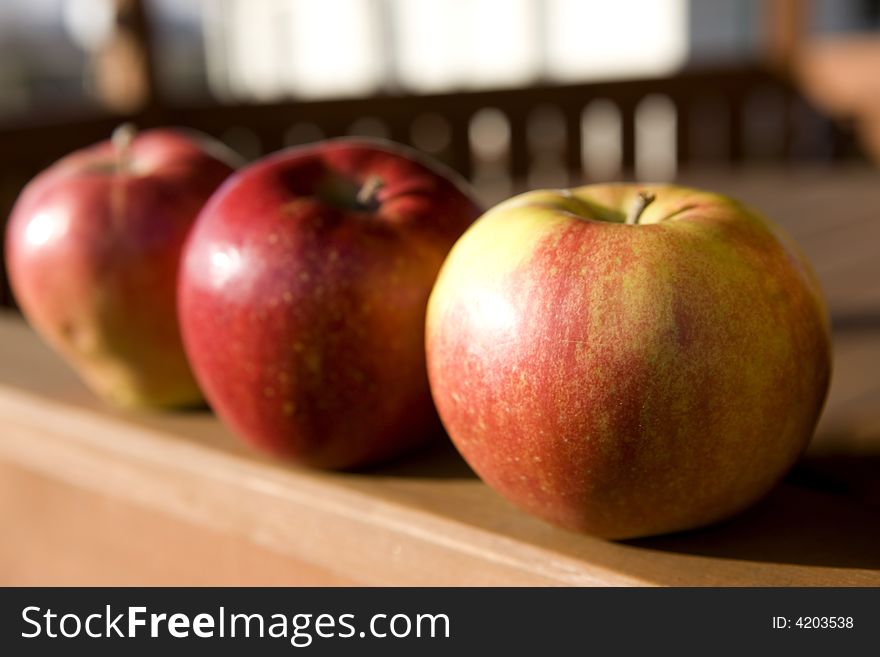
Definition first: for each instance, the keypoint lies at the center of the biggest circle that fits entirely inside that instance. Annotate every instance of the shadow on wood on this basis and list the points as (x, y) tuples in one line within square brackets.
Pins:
[(826, 513), (439, 460)]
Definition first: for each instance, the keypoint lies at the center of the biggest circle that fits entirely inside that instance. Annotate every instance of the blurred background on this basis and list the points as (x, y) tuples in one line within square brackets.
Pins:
[(511, 93)]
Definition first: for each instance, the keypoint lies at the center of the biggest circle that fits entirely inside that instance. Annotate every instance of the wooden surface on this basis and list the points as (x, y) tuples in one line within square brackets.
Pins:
[(63, 535), (90, 495)]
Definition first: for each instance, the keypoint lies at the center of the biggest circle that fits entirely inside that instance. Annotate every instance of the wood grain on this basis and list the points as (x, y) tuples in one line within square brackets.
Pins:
[(128, 488)]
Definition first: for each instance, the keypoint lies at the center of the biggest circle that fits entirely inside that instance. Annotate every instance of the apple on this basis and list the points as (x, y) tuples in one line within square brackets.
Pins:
[(302, 299), (93, 247), (627, 368)]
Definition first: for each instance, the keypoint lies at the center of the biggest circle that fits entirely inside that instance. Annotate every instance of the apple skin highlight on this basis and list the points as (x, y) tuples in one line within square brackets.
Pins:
[(303, 295), (628, 380)]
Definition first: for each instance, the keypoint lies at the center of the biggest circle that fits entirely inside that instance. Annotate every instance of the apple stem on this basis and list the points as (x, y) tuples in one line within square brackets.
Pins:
[(122, 138), (643, 200), (366, 196)]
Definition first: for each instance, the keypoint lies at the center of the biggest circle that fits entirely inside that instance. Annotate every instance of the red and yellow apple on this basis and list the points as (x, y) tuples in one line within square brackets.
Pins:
[(93, 247), (303, 293), (628, 368)]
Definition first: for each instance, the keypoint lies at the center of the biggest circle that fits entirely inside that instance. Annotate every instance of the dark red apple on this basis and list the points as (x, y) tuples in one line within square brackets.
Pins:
[(302, 299), (93, 248)]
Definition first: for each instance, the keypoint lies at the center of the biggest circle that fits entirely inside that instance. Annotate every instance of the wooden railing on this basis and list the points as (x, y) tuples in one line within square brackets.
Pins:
[(503, 140)]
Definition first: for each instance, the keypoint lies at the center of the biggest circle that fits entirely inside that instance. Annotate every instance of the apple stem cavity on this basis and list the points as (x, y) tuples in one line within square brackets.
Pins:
[(367, 196), (643, 200), (122, 138)]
